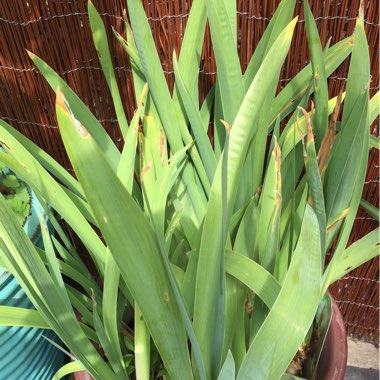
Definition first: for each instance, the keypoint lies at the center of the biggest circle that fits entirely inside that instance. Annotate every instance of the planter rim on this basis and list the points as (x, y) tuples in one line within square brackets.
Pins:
[(333, 361)]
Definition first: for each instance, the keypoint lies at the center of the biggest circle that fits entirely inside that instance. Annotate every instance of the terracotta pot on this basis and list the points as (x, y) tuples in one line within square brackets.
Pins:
[(82, 375), (333, 361)]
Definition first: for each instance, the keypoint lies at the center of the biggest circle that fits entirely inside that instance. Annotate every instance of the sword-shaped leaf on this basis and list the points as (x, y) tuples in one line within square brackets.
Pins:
[(316, 199), (355, 255), (230, 79), (209, 298), (371, 210), (17, 316), (42, 157), (68, 368), (319, 75), (291, 136), (131, 242), (254, 276), (290, 318), (200, 135), (278, 22), (228, 370), (374, 107), (21, 258), (287, 100), (268, 226), (344, 165), (99, 36), (27, 168), (359, 71), (81, 111)]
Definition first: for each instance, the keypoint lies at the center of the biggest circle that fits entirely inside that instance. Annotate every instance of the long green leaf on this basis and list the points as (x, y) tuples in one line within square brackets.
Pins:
[(319, 75), (279, 20), (67, 369), (52, 262), (209, 298), (315, 183), (109, 305), (228, 370), (83, 114), (254, 276), (142, 346), (374, 107), (191, 48), (43, 158), (290, 317), (131, 242), (344, 165), (349, 220), (230, 78), (99, 36), (287, 100), (111, 349), (19, 255), (355, 255), (268, 226), (201, 139), (359, 71), (36, 177), (171, 118), (291, 135), (370, 209), (17, 316), (374, 142)]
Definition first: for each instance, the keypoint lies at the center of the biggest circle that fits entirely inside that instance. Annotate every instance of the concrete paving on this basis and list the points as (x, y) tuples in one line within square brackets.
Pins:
[(355, 373), (363, 361)]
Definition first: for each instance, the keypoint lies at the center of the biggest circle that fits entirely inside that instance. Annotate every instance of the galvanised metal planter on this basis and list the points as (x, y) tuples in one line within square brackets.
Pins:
[(24, 353)]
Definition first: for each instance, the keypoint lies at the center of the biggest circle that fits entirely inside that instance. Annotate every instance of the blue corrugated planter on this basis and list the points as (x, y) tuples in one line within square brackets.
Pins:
[(24, 353)]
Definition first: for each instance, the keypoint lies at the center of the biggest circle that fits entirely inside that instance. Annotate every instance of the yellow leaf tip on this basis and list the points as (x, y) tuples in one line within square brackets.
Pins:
[(226, 125), (31, 55), (60, 99), (62, 103)]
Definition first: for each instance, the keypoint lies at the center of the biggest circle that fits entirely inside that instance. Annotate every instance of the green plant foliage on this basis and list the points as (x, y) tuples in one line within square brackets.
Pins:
[(16, 194), (210, 263)]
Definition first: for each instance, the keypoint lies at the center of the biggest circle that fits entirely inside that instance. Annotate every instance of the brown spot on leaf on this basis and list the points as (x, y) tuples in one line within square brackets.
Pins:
[(145, 169), (4, 145), (248, 306), (226, 125), (328, 140), (162, 145), (61, 102)]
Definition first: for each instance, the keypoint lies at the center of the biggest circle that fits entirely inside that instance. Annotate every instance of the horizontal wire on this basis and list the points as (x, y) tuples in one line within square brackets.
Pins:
[(49, 125), (346, 302), (359, 279), (361, 327), (365, 218), (164, 17), (115, 121), (127, 69)]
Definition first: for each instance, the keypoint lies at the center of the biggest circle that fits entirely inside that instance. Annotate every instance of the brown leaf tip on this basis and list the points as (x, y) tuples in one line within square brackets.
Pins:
[(226, 125), (61, 102)]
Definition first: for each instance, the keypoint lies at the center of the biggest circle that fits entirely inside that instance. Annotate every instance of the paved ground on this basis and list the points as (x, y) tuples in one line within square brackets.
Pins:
[(363, 361), (355, 373)]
